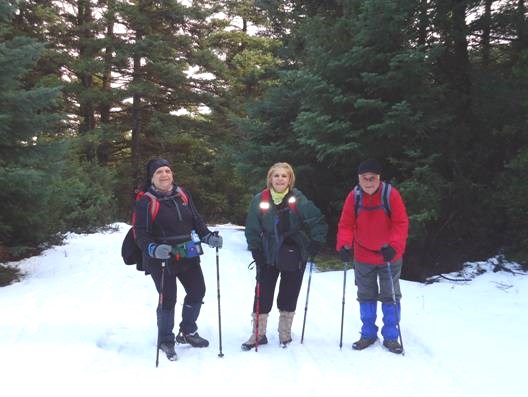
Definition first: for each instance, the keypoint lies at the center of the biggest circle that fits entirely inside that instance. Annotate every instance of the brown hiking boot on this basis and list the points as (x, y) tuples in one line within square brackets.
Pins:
[(363, 343), (393, 346)]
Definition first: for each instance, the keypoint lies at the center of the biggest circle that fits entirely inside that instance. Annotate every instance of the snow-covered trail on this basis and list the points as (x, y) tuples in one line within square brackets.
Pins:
[(82, 322)]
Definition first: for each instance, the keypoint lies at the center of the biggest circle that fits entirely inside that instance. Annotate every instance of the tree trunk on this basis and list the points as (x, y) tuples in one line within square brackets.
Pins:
[(460, 65), (521, 42), (105, 103), (107, 70), (86, 107), (136, 118), (486, 28), (423, 23)]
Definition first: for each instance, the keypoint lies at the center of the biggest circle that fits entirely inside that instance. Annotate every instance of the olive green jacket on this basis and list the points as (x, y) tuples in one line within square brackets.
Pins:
[(306, 221)]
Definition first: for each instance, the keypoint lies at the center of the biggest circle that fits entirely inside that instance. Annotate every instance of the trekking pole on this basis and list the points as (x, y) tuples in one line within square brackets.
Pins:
[(160, 304), (395, 306), (218, 294), (257, 314), (345, 265), (307, 295)]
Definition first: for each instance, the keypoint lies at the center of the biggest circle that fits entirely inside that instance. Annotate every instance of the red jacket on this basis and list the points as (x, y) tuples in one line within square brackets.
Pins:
[(373, 229)]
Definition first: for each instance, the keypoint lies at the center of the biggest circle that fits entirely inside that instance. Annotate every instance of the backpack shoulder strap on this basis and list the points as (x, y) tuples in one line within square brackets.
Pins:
[(358, 196), (265, 197), (292, 203), (154, 206), (385, 197), (183, 195)]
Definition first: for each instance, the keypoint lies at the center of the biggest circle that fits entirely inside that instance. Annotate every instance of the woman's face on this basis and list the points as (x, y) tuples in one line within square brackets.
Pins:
[(280, 179), (369, 182), (162, 179)]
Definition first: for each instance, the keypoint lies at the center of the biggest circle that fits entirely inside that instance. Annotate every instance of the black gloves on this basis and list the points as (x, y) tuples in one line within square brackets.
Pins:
[(345, 254), (159, 251), (213, 240), (388, 253), (260, 262), (258, 256), (313, 248)]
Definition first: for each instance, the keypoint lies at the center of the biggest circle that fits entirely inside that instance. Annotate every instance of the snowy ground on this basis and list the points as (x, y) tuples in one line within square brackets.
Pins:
[(81, 323)]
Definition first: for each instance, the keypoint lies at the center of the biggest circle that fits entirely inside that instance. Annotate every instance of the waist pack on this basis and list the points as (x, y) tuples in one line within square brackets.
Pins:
[(289, 258), (189, 249)]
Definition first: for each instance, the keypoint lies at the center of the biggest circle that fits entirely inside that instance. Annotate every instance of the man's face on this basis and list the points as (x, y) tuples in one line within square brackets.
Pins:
[(369, 182), (162, 179)]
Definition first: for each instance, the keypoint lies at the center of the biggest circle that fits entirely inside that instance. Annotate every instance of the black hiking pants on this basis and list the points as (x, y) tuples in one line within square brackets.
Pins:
[(289, 289), (192, 280)]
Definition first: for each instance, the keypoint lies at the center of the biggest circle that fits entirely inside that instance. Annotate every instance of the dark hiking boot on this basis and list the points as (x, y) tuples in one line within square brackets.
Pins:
[(363, 343), (250, 344), (393, 346), (193, 339), (168, 349)]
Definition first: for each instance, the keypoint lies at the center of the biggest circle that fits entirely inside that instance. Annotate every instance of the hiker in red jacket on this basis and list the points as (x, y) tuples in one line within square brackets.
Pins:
[(374, 224)]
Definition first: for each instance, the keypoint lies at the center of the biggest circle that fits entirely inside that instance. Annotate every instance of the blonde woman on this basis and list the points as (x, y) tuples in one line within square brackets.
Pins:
[(283, 230)]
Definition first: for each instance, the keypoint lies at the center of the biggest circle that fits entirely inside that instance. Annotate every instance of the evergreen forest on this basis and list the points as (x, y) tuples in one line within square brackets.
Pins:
[(436, 90)]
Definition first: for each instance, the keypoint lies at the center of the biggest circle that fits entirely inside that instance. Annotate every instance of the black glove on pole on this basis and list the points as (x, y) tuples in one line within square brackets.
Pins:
[(345, 254), (258, 257), (388, 253)]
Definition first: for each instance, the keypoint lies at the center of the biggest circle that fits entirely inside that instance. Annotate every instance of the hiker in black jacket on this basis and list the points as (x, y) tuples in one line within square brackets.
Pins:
[(168, 230)]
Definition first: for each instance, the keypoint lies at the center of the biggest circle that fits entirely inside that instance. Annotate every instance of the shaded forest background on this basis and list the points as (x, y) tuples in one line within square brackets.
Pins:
[(435, 89)]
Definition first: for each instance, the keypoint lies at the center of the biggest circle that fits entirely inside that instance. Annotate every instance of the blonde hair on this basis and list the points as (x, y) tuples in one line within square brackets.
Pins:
[(285, 166)]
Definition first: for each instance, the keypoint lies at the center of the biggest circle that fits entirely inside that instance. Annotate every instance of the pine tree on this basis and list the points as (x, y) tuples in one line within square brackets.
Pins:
[(400, 81), (26, 112)]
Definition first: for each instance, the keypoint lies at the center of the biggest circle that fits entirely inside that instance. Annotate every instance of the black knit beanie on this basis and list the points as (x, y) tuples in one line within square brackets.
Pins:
[(369, 165), (153, 165)]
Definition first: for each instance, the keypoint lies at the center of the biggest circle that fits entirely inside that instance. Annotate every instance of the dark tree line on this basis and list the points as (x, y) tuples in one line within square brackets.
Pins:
[(91, 89), (434, 89)]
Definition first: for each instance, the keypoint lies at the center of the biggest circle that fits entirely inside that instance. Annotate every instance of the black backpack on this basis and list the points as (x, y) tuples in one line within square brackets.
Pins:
[(130, 251), (385, 199)]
